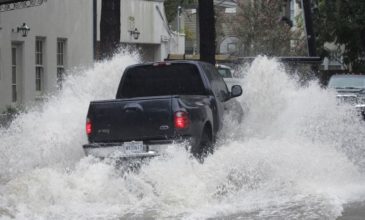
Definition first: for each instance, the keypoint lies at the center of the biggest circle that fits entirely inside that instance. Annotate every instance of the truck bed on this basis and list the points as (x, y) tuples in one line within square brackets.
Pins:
[(133, 119)]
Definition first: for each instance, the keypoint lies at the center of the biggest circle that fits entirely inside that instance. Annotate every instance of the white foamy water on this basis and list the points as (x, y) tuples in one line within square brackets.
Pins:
[(297, 155)]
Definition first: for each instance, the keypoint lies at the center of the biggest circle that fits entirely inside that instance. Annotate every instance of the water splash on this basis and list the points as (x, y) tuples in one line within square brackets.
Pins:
[(297, 155), (54, 132)]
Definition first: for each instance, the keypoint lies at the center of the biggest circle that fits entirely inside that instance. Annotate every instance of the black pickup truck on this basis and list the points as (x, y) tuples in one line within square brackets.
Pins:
[(158, 104)]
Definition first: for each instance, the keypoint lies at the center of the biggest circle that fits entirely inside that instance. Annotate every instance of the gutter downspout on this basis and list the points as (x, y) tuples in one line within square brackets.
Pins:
[(94, 28)]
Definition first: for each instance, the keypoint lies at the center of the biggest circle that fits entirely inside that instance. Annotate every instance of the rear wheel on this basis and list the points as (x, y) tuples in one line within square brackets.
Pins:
[(205, 146)]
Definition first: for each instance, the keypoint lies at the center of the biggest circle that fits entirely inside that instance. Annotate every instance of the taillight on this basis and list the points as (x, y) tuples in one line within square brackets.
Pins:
[(181, 120), (88, 126)]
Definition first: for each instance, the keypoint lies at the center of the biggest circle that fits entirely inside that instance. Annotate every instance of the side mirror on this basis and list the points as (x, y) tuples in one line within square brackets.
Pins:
[(236, 91)]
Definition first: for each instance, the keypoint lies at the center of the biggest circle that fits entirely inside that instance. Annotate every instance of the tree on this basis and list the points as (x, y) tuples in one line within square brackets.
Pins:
[(342, 22), (262, 30), (207, 31), (109, 27)]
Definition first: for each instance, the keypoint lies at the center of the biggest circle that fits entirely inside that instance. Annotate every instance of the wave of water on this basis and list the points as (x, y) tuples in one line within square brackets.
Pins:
[(297, 155)]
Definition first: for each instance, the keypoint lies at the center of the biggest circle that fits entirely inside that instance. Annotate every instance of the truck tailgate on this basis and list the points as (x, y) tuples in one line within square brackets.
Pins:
[(132, 119)]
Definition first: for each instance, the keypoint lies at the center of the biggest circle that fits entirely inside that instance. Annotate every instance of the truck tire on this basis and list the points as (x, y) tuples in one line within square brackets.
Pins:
[(205, 146)]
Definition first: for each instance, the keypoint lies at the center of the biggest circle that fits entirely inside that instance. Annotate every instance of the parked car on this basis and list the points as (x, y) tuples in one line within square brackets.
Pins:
[(228, 75), (159, 104), (350, 89)]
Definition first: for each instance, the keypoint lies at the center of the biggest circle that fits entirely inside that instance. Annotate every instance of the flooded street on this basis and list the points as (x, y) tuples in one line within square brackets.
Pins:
[(296, 155)]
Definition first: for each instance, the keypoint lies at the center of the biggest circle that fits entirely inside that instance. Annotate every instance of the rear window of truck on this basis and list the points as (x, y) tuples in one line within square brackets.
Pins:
[(173, 79)]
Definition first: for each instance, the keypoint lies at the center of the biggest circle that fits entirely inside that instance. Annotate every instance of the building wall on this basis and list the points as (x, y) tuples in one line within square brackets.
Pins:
[(150, 20), (73, 20), (67, 19), (146, 19)]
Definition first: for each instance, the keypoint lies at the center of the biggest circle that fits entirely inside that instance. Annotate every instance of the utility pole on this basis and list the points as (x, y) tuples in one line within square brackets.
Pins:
[(109, 28), (311, 38), (178, 26), (178, 19), (207, 31)]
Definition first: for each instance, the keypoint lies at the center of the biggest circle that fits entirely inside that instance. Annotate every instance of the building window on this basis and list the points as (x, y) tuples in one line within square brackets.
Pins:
[(61, 50), (231, 47), (13, 75), (38, 78), (39, 65)]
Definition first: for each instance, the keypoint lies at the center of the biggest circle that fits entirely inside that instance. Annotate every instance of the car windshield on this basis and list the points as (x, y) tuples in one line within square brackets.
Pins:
[(225, 72), (347, 82), (172, 79)]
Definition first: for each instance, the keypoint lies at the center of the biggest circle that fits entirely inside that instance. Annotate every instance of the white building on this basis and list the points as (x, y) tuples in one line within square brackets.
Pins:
[(155, 40), (60, 37)]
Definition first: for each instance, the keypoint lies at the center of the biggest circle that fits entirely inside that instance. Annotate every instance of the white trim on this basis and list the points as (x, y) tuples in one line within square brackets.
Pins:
[(1, 63), (39, 65), (14, 81)]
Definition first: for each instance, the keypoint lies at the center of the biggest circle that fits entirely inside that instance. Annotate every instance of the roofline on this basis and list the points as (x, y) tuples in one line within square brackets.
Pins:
[(349, 74), (228, 58)]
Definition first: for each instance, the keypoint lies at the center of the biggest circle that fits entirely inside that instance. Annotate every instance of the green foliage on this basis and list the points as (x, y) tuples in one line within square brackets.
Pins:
[(9, 114), (188, 34), (343, 23), (10, 110)]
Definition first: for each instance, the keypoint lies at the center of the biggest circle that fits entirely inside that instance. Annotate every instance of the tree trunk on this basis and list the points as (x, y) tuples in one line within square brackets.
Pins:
[(109, 28), (207, 31)]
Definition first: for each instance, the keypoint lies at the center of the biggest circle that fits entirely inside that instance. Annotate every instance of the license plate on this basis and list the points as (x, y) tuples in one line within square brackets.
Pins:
[(133, 147)]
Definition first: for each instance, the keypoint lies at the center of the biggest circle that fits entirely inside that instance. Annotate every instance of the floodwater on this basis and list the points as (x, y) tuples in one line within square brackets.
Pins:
[(296, 155)]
